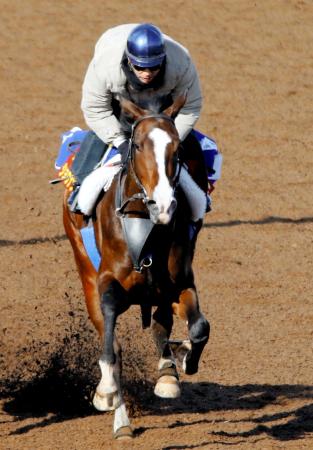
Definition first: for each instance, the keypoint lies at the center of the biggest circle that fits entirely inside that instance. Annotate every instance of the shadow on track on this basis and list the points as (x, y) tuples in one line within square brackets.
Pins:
[(63, 393), (232, 223), (207, 397), (266, 221)]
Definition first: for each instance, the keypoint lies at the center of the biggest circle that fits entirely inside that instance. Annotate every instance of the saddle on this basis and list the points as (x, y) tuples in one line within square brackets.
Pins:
[(71, 144), (75, 166)]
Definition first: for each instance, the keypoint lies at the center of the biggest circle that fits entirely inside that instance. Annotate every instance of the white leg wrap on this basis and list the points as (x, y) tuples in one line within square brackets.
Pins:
[(107, 396), (109, 373), (195, 196)]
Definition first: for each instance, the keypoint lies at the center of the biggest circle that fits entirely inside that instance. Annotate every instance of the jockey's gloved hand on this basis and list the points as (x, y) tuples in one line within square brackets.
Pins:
[(123, 150)]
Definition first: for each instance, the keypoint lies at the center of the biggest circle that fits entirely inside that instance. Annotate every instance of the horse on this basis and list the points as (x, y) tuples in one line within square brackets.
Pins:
[(142, 230)]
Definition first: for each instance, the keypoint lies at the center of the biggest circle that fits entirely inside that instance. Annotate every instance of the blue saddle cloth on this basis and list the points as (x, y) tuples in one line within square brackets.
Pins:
[(89, 241), (212, 156), (71, 141)]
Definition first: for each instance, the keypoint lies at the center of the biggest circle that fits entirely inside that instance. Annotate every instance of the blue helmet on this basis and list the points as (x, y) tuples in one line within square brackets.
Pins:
[(145, 46)]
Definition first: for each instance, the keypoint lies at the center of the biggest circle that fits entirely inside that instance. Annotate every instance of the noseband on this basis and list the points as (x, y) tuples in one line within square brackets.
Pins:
[(142, 195)]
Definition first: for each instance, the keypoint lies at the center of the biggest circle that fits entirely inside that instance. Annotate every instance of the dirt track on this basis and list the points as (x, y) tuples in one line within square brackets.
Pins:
[(254, 260)]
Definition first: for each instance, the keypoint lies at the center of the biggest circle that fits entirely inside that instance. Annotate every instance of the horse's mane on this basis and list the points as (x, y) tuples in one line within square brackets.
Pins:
[(149, 101), (156, 104)]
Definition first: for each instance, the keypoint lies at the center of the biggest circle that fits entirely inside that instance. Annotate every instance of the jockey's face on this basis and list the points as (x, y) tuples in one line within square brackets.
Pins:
[(145, 74)]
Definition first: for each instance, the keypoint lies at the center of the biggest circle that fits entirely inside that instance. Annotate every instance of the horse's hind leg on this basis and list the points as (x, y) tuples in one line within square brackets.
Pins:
[(187, 309), (88, 274), (167, 385)]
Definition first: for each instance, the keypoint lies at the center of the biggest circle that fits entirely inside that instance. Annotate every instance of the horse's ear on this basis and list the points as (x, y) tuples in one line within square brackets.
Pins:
[(131, 110), (175, 107)]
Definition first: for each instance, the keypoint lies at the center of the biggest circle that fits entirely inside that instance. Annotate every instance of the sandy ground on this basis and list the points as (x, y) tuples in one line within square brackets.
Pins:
[(254, 259)]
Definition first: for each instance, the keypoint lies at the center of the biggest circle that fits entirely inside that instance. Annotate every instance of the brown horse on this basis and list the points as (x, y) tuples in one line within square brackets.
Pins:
[(142, 229)]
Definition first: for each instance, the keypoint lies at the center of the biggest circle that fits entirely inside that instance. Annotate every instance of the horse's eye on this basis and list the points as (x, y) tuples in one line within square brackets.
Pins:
[(136, 146)]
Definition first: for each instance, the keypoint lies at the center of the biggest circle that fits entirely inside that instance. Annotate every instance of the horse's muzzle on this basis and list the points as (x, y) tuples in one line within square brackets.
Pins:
[(159, 215)]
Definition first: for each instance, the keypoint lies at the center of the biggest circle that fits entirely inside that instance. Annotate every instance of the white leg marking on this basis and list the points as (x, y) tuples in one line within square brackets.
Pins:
[(107, 383), (121, 418), (107, 397), (163, 193)]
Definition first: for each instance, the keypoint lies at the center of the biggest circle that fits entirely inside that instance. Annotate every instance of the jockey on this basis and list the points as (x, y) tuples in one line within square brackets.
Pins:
[(139, 63)]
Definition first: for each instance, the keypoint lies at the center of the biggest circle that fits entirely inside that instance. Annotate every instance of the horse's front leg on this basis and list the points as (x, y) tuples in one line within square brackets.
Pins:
[(167, 385), (108, 395), (187, 309)]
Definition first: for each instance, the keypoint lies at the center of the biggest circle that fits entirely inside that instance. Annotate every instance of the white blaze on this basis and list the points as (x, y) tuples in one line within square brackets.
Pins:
[(163, 192)]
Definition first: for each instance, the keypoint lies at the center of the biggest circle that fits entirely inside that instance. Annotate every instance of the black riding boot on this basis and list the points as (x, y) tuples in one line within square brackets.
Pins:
[(192, 155), (89, 155)]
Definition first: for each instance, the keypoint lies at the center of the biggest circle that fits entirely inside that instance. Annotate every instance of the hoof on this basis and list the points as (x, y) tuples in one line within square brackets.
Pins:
[(106, 402), (167, 387), (124, 433)]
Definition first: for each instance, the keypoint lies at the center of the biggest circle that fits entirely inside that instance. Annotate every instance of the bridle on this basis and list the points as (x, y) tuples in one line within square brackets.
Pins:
[(129, 162)]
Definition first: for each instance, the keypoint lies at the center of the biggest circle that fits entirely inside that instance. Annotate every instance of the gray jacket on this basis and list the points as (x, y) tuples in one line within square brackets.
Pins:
[(106, 80)]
